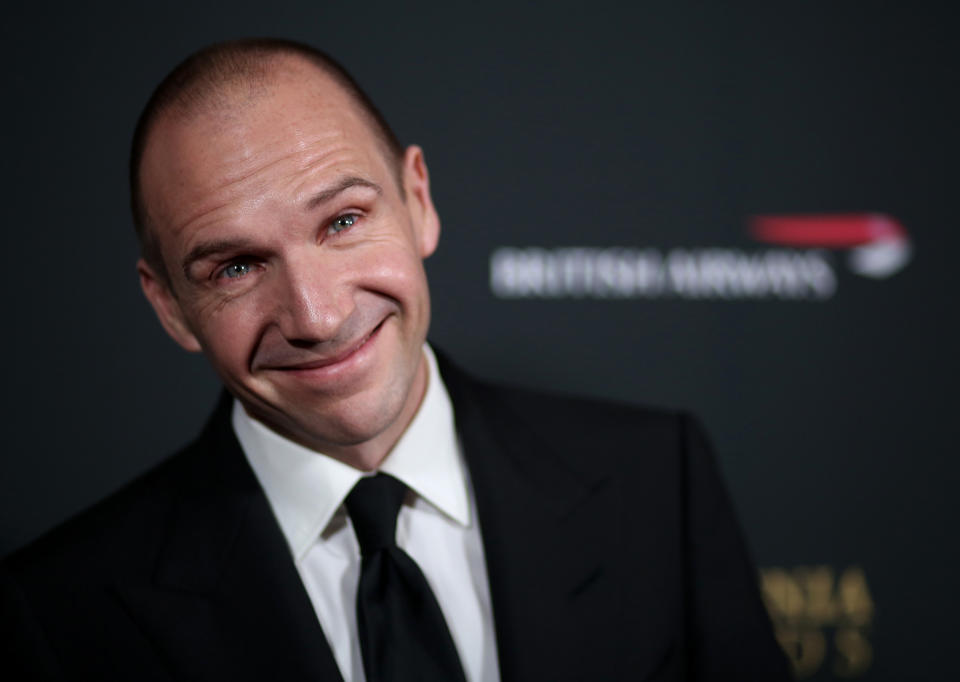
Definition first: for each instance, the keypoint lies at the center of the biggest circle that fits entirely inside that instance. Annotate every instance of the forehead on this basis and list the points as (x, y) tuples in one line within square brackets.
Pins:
[(250, 141)]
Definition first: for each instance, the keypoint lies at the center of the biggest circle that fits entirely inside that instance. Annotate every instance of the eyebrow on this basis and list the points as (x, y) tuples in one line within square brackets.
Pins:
[(325, 195), (206, 249)]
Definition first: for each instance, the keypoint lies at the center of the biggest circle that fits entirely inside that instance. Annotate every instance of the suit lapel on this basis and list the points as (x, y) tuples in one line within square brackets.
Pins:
[(226, 601), (548, 533)]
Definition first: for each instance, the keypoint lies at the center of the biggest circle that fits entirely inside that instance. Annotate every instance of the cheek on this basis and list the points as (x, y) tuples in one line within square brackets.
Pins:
[(397, 273), (229, 331), (406, 284)]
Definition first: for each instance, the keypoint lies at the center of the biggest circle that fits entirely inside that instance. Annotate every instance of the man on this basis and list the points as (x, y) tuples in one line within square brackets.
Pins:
[(539, 538)]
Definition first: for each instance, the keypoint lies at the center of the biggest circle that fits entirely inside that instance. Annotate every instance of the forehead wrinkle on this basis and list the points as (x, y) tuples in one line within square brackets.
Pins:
[(224, 192), (302, 147), (198, 217), (291, 160)]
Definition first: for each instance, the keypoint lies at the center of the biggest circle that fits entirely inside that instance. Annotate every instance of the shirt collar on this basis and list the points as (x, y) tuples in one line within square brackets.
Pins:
[(306, 488)]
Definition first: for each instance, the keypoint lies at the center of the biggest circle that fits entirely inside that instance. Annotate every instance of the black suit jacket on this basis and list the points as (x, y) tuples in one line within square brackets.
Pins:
[(611, 547)]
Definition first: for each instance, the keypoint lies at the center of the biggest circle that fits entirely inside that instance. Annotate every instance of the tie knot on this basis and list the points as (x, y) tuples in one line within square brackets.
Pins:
[(373, 505)]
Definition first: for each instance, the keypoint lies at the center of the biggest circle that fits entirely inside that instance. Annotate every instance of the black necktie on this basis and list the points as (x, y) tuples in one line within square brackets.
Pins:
[(402, 632)]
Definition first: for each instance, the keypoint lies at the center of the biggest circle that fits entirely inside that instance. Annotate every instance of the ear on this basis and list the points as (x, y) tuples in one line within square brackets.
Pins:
[(416, 184), (167, 307)]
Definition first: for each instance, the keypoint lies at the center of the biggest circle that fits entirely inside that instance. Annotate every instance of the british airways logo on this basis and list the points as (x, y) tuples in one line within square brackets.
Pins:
[(798, 265), (877, 244)]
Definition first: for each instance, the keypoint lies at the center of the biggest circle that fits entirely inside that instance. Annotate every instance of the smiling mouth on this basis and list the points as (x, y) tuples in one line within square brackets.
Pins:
[(337, 359)]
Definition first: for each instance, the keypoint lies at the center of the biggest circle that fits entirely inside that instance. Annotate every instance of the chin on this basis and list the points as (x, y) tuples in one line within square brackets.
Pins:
[(328, 423), (347, 424)]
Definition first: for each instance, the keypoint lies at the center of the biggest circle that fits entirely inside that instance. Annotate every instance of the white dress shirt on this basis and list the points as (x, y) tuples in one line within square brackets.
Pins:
[(437, 526)]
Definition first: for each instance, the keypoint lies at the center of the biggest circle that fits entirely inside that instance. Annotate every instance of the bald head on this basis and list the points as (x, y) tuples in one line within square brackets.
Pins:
[(222, 78)]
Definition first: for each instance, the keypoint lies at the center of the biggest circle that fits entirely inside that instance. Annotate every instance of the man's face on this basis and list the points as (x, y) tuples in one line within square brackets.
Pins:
[(295, 261)]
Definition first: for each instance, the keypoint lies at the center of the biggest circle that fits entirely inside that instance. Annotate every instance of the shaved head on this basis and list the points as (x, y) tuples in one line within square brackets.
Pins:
[(222, 78)]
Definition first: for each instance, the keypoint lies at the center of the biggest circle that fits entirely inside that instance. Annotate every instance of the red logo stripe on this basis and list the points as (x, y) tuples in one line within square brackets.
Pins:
[(830, 230)]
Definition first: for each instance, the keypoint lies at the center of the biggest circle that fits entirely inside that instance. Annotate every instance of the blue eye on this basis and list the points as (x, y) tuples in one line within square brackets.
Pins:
[(341, 223), (235, 270)]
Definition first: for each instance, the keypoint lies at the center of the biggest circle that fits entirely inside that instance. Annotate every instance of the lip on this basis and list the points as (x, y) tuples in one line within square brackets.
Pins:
[(334, 364)]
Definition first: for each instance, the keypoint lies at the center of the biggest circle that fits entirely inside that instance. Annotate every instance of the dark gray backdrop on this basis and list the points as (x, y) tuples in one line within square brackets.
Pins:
[(582, 124)]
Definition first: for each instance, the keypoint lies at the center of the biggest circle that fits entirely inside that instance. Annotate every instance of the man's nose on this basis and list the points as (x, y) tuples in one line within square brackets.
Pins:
[(313, 300)]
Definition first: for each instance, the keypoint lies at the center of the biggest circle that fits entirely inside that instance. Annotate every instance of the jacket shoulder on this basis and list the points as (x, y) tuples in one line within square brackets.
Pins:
[(600, 433)]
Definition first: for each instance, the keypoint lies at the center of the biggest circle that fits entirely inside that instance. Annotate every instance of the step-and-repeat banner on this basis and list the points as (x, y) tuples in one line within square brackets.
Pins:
[(747, 210)]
